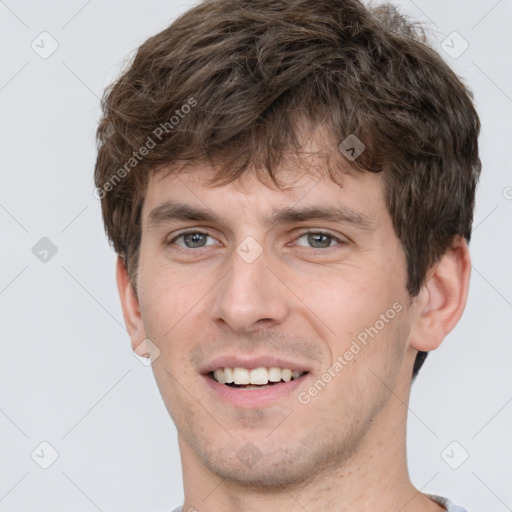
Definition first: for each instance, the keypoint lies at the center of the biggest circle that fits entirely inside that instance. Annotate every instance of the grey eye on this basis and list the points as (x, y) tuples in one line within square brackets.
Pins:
[(194, 240), (317, 240)]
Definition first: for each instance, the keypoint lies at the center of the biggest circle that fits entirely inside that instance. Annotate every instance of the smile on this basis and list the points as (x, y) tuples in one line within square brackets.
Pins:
[(250, 388), (255, 378)]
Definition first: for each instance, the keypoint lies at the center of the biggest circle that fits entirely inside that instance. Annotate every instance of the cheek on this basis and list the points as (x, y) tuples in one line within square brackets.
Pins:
[(363, 370), (351, 299), (169, 299)]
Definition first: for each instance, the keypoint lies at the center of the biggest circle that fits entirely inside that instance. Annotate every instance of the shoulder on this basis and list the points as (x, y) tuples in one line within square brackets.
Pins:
[(447, 504)]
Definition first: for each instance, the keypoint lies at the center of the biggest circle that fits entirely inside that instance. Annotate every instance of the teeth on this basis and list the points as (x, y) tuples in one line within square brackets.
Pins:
[(256, 376), (259, 376), (219, 376), (286, 374), (229, 375), (274, 374), (241, 376)]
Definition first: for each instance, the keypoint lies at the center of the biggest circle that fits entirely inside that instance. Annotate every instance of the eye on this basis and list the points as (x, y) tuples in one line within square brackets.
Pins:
[(193, 240), (318, 240)]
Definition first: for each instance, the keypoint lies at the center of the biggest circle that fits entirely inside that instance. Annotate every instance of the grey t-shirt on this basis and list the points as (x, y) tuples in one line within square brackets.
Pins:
[(450, 507), (447, 504)]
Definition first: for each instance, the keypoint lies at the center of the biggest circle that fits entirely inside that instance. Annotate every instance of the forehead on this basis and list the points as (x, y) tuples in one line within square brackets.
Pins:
[(315, 173), (304, 192)]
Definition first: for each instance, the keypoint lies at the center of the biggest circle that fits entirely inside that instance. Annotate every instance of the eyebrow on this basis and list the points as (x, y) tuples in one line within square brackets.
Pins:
[(175, 211)]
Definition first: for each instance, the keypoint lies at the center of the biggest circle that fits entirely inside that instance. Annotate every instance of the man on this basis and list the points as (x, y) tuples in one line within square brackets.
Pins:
[(289, 186)]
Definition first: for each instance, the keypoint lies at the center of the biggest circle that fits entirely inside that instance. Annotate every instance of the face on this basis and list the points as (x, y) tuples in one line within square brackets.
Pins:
[(308, 280)]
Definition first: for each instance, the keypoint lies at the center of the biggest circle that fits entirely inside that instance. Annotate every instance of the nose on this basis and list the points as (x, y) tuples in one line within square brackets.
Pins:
[(250, 297)]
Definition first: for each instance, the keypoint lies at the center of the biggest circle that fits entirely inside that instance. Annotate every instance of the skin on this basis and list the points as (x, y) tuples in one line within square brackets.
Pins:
[(345, 449)]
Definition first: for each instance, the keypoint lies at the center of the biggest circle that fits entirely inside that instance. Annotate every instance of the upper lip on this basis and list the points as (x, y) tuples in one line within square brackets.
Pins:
[(250, 362)]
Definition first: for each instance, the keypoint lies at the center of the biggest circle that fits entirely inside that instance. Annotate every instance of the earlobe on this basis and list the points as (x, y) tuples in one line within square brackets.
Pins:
[(130, 305), (442, 299)]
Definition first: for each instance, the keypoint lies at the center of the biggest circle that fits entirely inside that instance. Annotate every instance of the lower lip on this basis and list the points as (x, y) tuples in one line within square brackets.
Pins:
[(253, 398)]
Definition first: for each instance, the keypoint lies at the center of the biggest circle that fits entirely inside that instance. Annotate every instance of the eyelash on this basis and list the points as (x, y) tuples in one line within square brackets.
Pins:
[(301, 235)]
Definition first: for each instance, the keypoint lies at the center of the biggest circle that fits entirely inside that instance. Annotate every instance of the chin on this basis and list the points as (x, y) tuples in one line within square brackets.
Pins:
[(292, 465), (265, 474)]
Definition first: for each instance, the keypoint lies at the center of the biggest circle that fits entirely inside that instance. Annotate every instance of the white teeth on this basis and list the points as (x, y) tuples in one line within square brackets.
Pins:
[(240, 376), (286, 374), (219, 376), (229, 376), (259, 376), (274, 374), (256, 376)]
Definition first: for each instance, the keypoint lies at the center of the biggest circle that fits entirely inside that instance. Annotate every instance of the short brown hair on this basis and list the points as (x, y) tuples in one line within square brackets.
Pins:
[(231, 80)]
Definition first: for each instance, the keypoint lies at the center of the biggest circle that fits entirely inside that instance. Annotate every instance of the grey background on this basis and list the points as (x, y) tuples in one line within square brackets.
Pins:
[(67, 373)]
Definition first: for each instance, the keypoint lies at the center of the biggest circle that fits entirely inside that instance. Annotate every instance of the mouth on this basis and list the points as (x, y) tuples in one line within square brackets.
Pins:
[(253, 388), (248, 381), (254, 378)]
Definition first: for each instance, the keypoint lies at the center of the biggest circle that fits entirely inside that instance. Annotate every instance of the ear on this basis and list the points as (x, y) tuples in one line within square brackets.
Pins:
[(131, 310), (442, 298)]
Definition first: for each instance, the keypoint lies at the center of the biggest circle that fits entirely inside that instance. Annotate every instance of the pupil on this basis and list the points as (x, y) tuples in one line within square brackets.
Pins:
[(319, 240), (195, 240)]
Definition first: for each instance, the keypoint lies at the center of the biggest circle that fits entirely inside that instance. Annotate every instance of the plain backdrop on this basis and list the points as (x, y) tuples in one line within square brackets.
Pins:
[(68, 377)]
